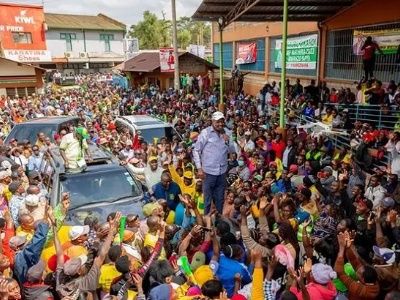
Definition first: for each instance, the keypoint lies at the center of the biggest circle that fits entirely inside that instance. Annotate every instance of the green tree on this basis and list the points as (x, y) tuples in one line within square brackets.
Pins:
[(154, 33), (151, 32)]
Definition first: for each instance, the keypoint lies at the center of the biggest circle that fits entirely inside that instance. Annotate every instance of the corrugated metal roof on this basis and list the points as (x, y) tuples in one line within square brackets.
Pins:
[(99, 22), (149, 61), (271, 10)]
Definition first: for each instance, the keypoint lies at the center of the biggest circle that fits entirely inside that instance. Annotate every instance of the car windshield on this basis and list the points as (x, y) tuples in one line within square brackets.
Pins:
[(30, 131), (150, 133), (95, 187)]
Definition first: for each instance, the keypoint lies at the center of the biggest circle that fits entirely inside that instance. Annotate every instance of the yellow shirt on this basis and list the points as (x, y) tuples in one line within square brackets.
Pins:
[(185, 189), (151, 240), (21, 232), (327, 119), (108, 273)]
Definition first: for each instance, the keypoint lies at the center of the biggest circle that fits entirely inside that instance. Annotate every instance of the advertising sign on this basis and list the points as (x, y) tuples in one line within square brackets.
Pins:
[(131, 47), (387, 39), (246, 53), (22, 33), (167, 60), (301, 53), (28, 55)]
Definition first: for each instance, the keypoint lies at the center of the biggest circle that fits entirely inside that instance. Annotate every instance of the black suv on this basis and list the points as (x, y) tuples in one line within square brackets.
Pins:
[(104, 187), (49, 126)]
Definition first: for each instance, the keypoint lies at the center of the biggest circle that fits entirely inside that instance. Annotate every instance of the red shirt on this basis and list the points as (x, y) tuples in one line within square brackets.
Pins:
[(369, 51), (278, 147)]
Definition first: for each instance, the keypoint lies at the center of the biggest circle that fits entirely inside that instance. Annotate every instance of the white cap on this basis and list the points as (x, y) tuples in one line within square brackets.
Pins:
[(132, 251), (32, 200), (77, 231), (217, 116)]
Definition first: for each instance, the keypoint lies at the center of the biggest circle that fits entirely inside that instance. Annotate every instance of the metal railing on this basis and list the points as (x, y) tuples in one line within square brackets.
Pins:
[(342, 63), (371, 114)]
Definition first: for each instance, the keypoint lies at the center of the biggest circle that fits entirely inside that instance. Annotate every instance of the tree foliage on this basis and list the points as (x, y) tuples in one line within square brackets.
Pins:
[(154, 32)]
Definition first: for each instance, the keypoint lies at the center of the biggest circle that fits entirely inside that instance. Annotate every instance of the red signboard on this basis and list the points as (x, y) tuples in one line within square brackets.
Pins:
[(22, 27), (167, 60), (246, 53)]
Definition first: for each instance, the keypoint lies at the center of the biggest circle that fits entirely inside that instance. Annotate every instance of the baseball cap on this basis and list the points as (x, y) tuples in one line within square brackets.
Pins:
[(72, 266), (387, 202), (293, 168), (82, 131), (386, 254), (32, 200), (152, 158), (17, 241), (77, 231), (217, 116), (188, 175)]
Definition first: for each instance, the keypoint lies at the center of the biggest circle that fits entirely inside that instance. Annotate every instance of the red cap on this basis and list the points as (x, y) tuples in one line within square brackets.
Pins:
[(293, 168)]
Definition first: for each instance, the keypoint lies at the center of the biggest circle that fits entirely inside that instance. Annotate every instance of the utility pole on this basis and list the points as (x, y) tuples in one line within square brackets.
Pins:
[(175, 44)]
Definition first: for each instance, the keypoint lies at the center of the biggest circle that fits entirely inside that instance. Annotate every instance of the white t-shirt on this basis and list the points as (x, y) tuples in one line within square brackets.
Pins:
[(73, 150)]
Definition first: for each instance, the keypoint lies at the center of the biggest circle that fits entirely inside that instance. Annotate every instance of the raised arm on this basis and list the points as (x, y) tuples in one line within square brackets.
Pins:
[(107, 243), (156, 251)]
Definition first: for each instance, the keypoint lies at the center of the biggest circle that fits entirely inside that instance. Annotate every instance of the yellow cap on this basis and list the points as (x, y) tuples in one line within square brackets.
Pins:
[(188, 175), (151, 158)]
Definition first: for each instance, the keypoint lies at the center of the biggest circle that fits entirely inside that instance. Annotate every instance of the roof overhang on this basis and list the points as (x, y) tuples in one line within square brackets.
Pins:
[(267, 10)]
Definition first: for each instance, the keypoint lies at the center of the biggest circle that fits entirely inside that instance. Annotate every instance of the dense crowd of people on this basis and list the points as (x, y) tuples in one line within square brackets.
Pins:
[(239, 208)]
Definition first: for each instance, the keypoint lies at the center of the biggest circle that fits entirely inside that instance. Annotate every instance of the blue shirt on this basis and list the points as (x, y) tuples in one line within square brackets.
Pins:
[(30, 255), (170, 194), (210, 152), (226, 273), (35, 163)]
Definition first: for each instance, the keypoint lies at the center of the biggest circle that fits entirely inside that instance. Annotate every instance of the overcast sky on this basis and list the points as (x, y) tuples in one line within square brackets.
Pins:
[(126, 11)]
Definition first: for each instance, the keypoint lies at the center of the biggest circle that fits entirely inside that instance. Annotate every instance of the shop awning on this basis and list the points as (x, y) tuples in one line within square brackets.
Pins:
[(268, 10)]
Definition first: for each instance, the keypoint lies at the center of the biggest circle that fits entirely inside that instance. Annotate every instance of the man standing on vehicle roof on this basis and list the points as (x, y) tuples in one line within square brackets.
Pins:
[(74, 148), (211, 159)]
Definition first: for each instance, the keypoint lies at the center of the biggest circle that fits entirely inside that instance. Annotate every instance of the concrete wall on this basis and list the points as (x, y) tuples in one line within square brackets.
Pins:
[(94, 44), (58, 46)]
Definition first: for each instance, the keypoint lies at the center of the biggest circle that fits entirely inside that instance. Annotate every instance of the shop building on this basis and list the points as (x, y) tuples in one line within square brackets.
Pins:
[(83, 44), (323, 40)]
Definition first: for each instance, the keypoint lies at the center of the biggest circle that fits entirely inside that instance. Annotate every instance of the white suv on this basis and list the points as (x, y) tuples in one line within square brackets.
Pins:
[(148, 127)]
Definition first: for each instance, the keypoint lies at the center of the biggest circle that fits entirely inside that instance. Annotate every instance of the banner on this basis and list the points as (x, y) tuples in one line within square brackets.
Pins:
[(301, 53), (131, 47), (387, 39), (246, 53), (167, 60), (197, 50)]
